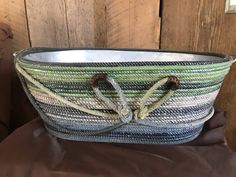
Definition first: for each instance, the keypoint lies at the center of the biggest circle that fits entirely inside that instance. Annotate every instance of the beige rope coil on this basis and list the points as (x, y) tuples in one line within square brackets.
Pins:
[(141, 113)]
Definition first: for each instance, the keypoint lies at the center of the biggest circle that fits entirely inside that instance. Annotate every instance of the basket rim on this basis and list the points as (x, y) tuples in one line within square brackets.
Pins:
[(45, 55)]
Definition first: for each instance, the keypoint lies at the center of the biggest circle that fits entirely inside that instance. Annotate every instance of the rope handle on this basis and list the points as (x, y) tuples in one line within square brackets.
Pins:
[(124, 111), (144, 110), (60, 98)]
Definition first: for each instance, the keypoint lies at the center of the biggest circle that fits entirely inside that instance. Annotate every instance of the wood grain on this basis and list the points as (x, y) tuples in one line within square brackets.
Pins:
[(133, 23), (86, 23), (80, 23), (94, 23), (70, 23), (203, 26), (100, 23), (13, 13), (47, 23)]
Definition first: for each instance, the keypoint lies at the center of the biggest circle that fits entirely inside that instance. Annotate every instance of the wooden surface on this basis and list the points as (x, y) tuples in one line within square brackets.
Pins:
[(71, 23), (203, 26), (133, 23), (47, 23), (94, 23), (13, 13)]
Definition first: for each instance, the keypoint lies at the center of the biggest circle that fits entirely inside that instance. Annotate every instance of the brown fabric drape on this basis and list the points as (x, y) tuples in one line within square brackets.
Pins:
[(6, 62), (32, 151)]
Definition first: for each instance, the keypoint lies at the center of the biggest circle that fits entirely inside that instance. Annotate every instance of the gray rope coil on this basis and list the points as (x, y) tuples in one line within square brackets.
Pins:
[(129, 102)]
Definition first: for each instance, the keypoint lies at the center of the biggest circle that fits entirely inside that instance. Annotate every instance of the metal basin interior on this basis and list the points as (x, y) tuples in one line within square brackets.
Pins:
[(101, 56)]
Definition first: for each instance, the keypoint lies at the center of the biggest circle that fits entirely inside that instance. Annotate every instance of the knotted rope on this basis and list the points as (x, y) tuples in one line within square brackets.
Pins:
[(124, 113)]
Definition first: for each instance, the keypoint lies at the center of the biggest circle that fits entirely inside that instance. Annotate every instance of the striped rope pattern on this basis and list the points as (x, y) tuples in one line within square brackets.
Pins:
[(177, 120)]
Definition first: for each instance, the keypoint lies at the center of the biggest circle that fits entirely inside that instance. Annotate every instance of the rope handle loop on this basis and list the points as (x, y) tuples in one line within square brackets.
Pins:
[(144, 110), (124, 111), (60, 98)]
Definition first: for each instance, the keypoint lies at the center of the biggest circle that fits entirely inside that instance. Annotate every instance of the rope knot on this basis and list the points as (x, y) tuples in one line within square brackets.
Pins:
[(141, 113), (124, 111)]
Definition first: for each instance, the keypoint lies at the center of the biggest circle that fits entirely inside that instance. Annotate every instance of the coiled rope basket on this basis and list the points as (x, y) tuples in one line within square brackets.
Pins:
[(125, 96)]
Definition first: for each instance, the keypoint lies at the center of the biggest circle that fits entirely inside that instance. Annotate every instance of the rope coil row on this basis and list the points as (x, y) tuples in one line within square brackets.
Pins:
[(124, 113), (74, 105)]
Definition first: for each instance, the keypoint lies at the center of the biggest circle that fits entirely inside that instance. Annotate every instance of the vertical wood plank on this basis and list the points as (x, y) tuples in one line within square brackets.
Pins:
[(203, 26), (13, 13), (100, 23), (198, 26), (133, 23), (70, 23), (94, 23), (80, 23), (85, 20), (47, 23)]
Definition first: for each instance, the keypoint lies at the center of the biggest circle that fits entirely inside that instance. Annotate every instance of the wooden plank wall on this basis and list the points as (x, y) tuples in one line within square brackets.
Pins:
[(203, 26), (13, 13), (83, 23), (94, 23)]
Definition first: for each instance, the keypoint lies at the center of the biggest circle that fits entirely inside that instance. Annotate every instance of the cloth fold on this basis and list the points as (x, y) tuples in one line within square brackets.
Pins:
[(32, 151), (6, 64)]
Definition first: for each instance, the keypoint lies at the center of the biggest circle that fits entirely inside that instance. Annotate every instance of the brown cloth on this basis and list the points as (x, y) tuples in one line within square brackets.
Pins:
[(31, 151), (6, 62)]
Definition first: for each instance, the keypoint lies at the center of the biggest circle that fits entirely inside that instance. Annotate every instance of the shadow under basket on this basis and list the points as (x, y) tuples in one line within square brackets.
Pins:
[(122, 95)]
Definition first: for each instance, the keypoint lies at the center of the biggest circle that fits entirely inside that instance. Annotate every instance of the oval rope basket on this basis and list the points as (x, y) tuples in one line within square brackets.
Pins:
[(125, 96)]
